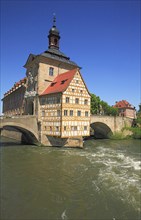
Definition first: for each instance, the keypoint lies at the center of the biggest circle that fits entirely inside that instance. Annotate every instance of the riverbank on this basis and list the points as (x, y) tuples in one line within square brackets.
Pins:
[(127, 133)]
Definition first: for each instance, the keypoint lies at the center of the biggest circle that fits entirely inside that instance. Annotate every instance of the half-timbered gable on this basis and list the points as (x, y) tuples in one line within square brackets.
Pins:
[(76, 108), (70, 115)]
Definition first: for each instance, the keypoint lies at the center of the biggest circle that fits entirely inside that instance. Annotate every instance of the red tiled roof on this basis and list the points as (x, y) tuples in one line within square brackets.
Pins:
[(123, 104), (60, 83), (16, 85)]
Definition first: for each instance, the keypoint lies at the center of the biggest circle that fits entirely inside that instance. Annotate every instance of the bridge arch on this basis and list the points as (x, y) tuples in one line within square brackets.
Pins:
[(101, 130), (27, 136), (21, 128)]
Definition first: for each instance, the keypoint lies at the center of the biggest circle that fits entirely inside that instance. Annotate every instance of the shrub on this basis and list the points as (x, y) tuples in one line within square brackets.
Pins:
[(118, 135)]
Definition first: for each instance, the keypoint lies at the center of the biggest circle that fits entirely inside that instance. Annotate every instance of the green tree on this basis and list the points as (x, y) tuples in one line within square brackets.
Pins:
[(139, 112), (98, 106), (113, 111), (95, 104)]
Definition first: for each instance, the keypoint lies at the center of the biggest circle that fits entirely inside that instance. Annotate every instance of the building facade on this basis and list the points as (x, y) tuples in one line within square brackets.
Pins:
[(125, 109), (55, 92), (65, 106), (13, 101)]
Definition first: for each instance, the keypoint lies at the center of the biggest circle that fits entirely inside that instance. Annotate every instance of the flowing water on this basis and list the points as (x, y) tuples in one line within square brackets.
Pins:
[(100, 182)]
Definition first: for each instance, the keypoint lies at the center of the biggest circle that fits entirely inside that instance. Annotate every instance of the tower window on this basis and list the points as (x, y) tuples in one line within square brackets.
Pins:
[(55, 41), (51, 71)]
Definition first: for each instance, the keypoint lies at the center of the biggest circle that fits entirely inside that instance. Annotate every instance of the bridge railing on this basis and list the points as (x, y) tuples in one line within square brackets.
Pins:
[(17, 116)]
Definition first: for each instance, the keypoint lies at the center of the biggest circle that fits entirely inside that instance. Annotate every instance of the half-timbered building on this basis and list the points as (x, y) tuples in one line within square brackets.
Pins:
[(55, 92), (65, 106)]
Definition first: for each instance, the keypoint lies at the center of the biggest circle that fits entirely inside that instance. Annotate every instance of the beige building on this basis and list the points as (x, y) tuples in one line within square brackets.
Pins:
[(55, 92), (13, 101)]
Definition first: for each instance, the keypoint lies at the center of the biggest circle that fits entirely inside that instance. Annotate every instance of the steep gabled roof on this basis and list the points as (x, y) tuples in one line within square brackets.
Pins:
[(16, 86), (60, 83), (30, 58), (123, 104)]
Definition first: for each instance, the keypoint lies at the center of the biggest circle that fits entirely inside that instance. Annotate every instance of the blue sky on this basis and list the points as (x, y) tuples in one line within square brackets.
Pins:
[(103, 37)]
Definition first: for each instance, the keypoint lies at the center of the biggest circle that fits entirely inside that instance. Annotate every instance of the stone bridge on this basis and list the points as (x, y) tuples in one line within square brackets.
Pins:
[(104, 125), (23, 128), (27, 129)]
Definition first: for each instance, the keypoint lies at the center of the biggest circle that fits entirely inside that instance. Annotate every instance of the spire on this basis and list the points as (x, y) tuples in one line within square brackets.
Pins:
[(54, 20), (54, 35)]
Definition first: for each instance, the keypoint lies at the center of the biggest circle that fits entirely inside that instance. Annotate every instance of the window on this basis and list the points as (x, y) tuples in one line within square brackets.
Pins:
[(85, 102), (58, 100), (43, 101), (74, 128), (77, 101), (50, 100), (71, 112), (55, 41), (86, 114), (81, 91), (51, 70), (85, 128), (58, 113), (77, 81), (57, 128), (72, 90), (65, 112), (43, 113), (78, 113), (65, 128), (50, 128), (67, 99)]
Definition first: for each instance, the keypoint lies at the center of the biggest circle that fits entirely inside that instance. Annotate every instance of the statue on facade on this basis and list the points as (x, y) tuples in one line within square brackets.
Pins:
[(31, 84)]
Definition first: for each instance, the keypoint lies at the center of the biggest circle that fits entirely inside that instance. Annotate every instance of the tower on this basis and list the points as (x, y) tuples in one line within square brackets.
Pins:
[(54, 36)]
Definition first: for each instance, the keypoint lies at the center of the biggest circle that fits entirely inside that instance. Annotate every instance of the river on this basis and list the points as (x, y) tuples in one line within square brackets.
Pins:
[(100, 182)]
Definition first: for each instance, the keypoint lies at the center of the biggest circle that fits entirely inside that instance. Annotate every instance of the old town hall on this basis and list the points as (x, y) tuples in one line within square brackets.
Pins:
[(55, 92)]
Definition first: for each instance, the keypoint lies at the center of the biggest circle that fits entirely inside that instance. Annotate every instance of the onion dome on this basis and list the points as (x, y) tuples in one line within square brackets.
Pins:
[(54, 36)]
